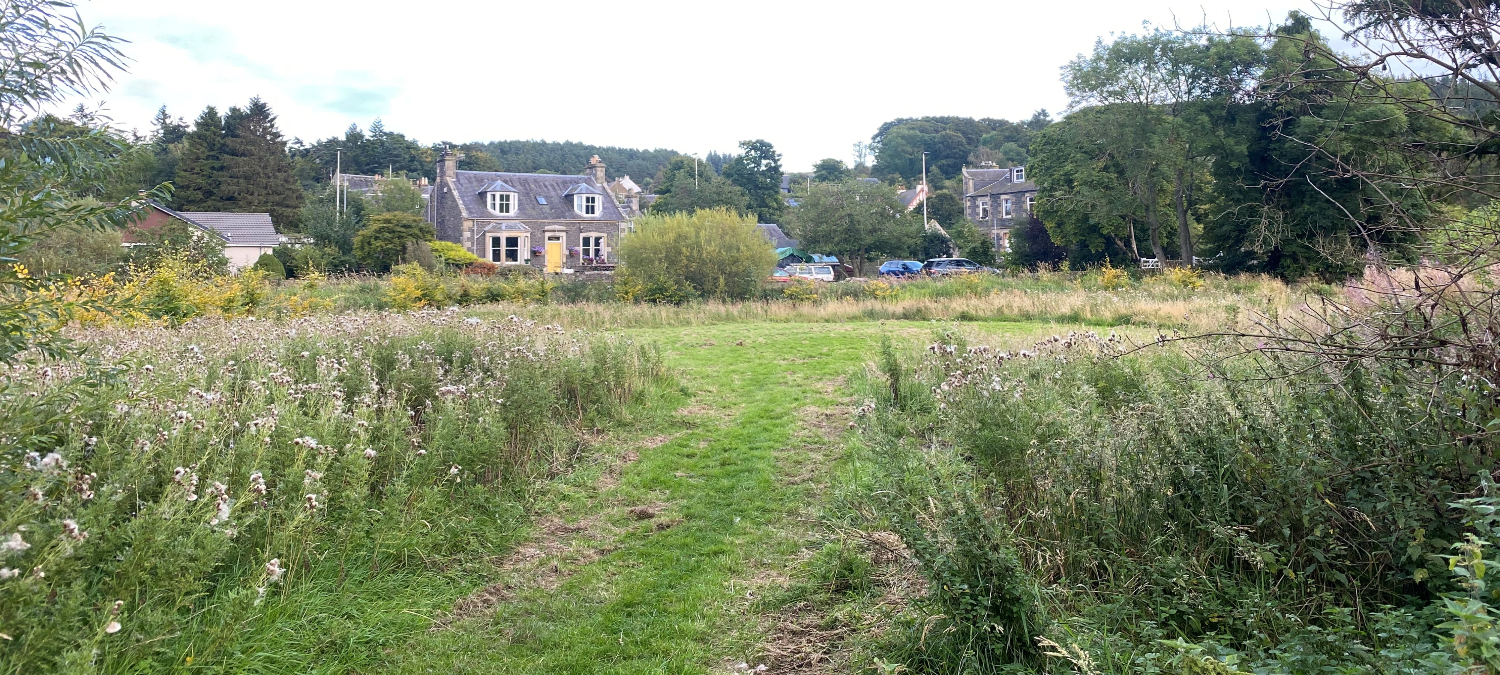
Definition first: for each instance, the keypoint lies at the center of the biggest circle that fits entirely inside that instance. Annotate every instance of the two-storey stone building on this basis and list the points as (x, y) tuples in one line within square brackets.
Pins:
[(996, 199), (551, 222)]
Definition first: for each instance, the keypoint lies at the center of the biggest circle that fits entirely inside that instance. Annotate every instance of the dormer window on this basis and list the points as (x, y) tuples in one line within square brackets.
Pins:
[(1019, 173), (587, 200), (500, 198), (503, 203)]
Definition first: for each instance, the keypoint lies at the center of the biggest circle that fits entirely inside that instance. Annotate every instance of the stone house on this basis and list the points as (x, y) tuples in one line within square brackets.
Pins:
[(996, 199), (551, 222)]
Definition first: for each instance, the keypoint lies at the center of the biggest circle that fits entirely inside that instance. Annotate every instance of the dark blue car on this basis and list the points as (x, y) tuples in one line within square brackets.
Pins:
[(900, 268)]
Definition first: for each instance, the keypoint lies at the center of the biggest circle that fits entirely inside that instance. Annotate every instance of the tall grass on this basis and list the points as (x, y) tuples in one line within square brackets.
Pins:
[(264, 496), (1286, 515)]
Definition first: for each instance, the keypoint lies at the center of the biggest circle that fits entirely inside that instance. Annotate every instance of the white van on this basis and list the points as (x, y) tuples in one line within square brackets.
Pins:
[(814, 272)]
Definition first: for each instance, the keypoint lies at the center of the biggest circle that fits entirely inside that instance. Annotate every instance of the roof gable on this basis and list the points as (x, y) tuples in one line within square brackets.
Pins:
[(551, 188)]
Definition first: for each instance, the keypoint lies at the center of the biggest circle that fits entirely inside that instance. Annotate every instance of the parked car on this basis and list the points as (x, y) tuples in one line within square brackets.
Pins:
[(945, 266), (900, 268), (780, 276), (814, 272)]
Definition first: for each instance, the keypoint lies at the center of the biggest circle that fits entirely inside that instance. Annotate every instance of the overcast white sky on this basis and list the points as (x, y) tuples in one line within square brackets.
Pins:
[(810, 76)]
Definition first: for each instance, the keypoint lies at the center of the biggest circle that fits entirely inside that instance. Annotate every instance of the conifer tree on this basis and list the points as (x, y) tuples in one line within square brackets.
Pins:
[(201, 167), (257, 170)]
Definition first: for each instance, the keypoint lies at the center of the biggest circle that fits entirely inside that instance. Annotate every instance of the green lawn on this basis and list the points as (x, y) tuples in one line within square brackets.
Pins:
[(725, 484)]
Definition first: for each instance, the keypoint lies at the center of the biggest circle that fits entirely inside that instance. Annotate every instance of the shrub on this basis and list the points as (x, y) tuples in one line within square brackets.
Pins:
[(420, 253), (483, 268), (453, 254), (383, 242), (269, 264), (1184, 277), (712, 253), (412, 286)]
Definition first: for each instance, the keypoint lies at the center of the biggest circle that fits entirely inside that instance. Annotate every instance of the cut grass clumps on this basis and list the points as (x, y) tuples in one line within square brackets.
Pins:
[(841, 568), (280, 496)]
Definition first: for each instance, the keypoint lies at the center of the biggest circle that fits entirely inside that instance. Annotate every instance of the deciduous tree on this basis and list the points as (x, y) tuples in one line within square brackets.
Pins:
[(855, 221)]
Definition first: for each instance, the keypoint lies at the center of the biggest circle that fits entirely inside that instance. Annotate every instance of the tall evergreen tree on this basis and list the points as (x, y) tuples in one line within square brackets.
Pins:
[(167, 135), (257, 170), (201, 168), (757, 171)]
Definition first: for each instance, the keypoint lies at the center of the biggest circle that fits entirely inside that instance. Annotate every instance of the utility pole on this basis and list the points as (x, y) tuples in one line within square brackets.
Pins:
[(924, 191), (338, 181)]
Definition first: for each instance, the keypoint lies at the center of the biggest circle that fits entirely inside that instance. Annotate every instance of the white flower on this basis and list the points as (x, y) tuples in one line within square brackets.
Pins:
[(70, 527), (454, 471), (421, 452), (257, 483), (52, 462), (274, 570), (112, 627), (15, 544), (6, 573), (311, 477), (369, 453), (312, 502)]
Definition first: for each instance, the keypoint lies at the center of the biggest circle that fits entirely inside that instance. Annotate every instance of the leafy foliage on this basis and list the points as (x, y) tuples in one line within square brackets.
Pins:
[(712, 254), (383, 242), (856, 221)]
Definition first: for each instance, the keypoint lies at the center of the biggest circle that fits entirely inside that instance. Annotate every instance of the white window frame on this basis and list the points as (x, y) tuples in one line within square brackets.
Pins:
[(984, 209), (492, 202), (523, 248), (1018, 174), (1005, 207), (582, 202), (1030, 203), (584, 249)]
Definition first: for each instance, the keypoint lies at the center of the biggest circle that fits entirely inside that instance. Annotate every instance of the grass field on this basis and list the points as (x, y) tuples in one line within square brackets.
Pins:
[(655, 559), (926, 483)]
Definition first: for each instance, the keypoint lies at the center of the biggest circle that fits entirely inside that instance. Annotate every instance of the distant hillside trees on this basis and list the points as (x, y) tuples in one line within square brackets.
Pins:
[(951, 142), (378, 151), (686, 185)]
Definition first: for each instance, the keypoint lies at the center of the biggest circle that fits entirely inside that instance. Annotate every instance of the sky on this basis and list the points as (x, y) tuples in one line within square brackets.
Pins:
[(810, 76)]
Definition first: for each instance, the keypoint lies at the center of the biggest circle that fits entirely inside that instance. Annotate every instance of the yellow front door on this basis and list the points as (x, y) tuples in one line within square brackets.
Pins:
[(554, 256)]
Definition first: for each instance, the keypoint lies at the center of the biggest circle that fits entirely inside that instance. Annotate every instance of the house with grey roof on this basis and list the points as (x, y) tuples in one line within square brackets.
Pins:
[(776, 236), (554, 223), (997, 199), (246, 236)]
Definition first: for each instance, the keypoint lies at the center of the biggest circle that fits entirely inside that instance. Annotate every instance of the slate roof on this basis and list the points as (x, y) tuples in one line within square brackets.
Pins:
[(908, 197), (777, 237), (582, 189), (496, 186), (995, 182), (553, 187), (240, 229)]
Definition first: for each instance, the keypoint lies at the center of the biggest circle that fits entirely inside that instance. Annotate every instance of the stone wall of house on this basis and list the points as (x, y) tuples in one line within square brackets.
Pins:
[(477, 239), (445, 215)]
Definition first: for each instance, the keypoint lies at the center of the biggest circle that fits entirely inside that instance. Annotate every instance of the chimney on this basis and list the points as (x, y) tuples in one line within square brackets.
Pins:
[(447, 165), (596, 169)]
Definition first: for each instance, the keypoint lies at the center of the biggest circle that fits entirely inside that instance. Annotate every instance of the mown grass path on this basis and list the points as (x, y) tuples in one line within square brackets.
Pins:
[(642, 563)]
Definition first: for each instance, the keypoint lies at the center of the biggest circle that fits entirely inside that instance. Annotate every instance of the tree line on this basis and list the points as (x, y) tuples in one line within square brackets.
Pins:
[(1253, 151)]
